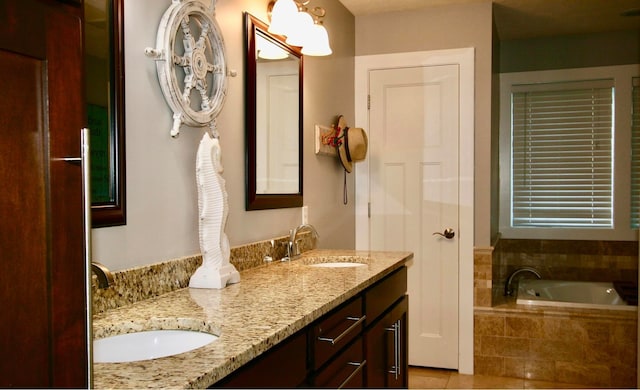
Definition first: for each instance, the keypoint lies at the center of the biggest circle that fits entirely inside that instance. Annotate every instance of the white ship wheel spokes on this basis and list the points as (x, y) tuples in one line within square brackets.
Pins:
[(194, 82)]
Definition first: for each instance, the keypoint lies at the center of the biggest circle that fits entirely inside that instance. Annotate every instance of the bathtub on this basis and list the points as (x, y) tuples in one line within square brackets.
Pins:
[(587, 295)]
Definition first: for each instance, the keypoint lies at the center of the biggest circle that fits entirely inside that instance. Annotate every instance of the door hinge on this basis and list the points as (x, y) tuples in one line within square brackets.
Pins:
[(369, 209), (368, 102)]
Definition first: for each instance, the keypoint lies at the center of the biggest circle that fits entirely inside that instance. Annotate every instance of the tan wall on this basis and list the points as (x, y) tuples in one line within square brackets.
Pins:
[(161, 190), (446, 27), (570, 51)]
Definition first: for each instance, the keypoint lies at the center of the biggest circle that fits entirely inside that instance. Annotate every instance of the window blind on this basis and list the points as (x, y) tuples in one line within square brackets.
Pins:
[(635, 155), (562, 153)]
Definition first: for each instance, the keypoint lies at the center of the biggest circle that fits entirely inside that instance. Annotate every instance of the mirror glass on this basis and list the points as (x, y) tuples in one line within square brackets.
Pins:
[(274, 119), (104, 82)]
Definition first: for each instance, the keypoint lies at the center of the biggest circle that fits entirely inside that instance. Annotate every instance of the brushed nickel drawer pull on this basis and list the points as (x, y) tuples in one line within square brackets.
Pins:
[(395, 328), (359, 367), (357, 322)]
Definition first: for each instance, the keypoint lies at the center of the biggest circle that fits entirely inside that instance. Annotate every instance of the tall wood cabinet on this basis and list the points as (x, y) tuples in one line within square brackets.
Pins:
[(42, 332)]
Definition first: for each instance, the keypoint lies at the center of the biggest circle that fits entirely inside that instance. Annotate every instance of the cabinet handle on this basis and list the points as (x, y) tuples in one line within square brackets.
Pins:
[(395, 328), (359, 367), (357, 322), (399, 349), (85, 165)]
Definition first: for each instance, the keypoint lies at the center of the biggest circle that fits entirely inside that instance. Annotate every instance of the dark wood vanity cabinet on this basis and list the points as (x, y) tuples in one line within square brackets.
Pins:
[(361, 343)]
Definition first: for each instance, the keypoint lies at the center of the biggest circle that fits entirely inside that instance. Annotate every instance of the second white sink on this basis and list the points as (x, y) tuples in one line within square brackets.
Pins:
[(336, 265), (148, 345)]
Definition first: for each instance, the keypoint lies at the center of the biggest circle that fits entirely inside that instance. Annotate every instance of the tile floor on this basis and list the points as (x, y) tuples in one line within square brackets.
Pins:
[(433, 378)]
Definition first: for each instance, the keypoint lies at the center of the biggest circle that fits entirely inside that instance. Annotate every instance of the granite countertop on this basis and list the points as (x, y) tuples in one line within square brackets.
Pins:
[(269, 304)]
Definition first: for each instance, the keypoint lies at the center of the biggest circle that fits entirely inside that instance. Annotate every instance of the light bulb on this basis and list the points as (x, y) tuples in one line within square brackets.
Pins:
[(318, 42), (281, 15), (301, 29)]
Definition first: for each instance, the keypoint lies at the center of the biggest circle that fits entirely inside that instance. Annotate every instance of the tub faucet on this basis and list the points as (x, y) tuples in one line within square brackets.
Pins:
[(105, 277), (508, 290), (293, 249)]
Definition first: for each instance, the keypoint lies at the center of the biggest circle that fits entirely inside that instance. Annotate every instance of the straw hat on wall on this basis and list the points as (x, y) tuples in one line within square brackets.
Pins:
[(353, 147)]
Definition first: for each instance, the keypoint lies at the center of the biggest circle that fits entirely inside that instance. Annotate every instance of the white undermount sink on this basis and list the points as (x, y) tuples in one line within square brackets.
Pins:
[(336, 265), (148, 345)]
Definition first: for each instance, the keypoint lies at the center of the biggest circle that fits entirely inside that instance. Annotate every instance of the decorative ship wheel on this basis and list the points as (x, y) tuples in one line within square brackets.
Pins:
[(191, 64)]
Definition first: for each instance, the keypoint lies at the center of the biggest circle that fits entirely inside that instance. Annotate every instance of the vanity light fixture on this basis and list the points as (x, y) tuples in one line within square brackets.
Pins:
[(302, 27)]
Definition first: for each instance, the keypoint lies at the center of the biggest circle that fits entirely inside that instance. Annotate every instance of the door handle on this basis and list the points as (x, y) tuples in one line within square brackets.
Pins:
[(448, 233)]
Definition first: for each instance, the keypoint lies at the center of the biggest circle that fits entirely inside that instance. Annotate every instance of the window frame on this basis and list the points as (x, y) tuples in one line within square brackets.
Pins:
[(622, 76), (635, 153)]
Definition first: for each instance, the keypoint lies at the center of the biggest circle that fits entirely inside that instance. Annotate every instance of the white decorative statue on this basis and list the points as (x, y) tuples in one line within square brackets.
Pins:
[(216, 271), (199, 68)]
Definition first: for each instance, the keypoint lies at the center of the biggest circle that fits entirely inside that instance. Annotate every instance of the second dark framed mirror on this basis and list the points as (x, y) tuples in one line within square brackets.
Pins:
[(273, 82)]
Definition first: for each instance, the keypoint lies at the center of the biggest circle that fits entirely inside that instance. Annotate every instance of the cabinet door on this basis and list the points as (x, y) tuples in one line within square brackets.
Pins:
[(284, 366), (386, 349), (43, 330)]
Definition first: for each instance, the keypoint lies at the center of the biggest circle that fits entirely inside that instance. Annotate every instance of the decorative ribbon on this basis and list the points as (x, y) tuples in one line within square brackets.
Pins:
[(346, 144)]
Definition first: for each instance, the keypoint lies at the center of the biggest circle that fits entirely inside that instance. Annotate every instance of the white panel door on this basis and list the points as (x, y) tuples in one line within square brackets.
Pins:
[(414, 183)]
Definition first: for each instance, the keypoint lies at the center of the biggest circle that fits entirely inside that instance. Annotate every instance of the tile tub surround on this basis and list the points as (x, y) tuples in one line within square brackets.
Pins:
[(482, 276), (588, 347), (140, 283), (270, 303), (594, 261)]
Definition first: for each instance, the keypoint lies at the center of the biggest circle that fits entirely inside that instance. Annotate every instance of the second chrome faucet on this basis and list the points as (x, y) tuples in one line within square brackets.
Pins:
[(293, 247)]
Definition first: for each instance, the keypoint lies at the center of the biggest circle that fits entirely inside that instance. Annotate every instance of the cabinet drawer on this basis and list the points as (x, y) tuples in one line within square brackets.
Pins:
[(335, 331), (382, 295), (346, 370)]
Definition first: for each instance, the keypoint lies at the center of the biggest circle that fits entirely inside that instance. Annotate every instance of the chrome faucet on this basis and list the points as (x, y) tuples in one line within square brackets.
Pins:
[(105, 277), (508, 290), (293, 249)]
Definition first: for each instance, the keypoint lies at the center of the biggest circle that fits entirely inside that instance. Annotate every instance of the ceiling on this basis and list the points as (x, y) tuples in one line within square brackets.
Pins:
[(519, 19)]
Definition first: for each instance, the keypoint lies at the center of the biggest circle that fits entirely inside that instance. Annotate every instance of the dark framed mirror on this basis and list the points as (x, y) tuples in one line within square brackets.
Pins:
[(104, 82), (273, 82)]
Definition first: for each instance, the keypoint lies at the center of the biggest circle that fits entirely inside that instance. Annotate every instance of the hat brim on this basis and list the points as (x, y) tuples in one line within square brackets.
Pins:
[(348, 165)]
